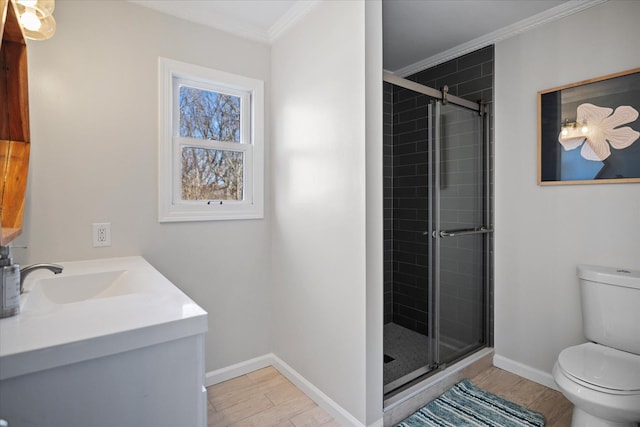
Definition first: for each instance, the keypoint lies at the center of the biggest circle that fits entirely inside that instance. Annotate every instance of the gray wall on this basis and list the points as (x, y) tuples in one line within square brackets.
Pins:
[(301, 283), (94, 128), (320, 203), (543, 233)]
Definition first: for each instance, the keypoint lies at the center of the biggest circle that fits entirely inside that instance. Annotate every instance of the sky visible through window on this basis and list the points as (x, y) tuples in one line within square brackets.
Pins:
[(209, 115), (210, 173)]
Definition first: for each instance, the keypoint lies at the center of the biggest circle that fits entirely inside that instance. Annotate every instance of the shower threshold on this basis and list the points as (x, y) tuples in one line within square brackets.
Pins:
[(405, 402)]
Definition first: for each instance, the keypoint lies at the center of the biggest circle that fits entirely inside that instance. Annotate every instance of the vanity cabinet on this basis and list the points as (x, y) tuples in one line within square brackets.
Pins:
[(128, 352), (14, 123), (150, 386)]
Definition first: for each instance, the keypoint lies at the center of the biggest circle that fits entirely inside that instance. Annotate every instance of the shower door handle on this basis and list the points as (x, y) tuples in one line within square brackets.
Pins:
[(462, 232)]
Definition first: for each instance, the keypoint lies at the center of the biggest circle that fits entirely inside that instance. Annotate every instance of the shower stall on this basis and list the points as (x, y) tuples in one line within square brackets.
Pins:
[(438, 231)]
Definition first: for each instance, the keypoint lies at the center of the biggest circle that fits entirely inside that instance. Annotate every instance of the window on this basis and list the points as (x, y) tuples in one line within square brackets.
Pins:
[(211, 144)]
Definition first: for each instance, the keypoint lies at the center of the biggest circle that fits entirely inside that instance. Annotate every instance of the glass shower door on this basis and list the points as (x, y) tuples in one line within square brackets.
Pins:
[(460, 231), (437, 237)]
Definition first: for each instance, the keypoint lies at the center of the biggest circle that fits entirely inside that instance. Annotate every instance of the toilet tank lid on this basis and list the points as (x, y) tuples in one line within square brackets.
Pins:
[(611, 275)]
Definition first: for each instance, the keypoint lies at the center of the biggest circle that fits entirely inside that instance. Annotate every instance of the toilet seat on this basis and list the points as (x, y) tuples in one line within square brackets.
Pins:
[(602, 368)]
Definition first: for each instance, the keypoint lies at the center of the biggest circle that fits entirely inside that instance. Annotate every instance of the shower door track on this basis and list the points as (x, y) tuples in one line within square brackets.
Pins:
[(429, 91)]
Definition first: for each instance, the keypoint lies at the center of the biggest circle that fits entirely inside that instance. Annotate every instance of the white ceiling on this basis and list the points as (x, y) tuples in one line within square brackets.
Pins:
[(414, 30)]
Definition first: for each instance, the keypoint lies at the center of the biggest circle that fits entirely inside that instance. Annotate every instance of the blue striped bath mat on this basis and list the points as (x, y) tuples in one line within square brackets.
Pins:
[(467, 405)]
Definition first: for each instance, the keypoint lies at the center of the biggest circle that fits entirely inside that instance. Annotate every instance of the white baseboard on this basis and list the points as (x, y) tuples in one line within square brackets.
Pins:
[(525, 371), (237, 370), (342, 416)]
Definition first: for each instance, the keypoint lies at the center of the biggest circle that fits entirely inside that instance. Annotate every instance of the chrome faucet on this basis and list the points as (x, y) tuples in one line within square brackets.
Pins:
[(55, 268)]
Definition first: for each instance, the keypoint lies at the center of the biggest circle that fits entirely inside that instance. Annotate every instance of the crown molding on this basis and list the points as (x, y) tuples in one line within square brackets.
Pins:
[(279, 28), (550, 15), (241, 29), (289, 19), (235, 26), (224, 23)]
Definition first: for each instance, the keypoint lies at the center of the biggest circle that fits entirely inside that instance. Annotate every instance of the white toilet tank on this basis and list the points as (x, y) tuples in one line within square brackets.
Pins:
[(611, 306)]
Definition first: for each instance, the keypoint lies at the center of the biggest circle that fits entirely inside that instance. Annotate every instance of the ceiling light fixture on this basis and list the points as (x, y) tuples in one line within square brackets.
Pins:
[(36, 18)]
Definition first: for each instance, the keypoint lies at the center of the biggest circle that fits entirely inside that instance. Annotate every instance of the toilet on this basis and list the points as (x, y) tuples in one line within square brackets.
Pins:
[(602, 377)]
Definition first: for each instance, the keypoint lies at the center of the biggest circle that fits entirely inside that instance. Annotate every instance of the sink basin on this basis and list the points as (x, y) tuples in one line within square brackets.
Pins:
[(63, 289), (80, 282)]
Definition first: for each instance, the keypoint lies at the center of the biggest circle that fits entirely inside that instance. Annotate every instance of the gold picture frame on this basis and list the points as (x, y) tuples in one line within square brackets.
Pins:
[(589, 131)]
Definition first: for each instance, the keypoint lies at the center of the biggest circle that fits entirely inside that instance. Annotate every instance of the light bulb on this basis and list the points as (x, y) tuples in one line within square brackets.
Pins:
[(565, 131), (42, 7), (585, 129), (46, 30), (30, 21)]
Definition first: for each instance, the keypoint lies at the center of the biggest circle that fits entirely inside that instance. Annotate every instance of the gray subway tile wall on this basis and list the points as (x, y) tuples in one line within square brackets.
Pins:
[(406, 197)]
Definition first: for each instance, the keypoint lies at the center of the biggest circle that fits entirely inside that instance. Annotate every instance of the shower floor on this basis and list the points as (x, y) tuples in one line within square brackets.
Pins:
[(406, 351), (409, 350)]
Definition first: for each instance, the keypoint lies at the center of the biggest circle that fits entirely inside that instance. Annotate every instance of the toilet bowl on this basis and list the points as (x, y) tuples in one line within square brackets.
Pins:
[(603, 384), (602, 377)]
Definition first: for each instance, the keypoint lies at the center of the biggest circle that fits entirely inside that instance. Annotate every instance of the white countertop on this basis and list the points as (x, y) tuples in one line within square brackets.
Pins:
[(150, 310)]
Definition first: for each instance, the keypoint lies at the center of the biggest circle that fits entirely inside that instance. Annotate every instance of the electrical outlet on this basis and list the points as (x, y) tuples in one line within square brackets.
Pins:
[(101, 234)]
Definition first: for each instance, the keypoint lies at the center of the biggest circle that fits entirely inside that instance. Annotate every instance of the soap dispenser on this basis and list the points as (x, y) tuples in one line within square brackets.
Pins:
[(10, 284)]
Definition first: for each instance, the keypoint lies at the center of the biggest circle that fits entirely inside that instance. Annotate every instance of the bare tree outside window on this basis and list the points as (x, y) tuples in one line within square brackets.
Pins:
[(208, 173)]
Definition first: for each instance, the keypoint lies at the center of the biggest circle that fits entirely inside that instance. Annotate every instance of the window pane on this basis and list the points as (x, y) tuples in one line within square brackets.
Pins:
[(209, 174), (209, 115)]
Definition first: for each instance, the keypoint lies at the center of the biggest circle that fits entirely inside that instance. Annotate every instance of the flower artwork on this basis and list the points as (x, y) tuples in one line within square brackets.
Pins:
[(596, 129), (589, 131)]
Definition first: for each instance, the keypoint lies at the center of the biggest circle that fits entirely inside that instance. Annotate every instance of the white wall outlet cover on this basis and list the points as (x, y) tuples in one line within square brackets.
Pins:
[(101, 234)]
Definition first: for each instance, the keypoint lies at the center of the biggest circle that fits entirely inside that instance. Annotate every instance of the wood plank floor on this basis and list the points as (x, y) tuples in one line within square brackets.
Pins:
[(265, 398), (552, 404)]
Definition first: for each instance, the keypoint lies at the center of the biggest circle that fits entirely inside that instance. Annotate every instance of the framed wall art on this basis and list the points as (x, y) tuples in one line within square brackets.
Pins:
[(589, 132)]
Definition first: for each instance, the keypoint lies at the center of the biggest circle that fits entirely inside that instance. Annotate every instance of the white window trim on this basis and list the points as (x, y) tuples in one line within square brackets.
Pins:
[(170, 207)]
